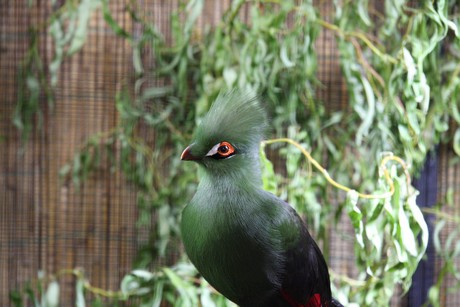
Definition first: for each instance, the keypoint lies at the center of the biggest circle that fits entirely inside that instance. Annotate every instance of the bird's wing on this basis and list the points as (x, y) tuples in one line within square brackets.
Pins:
[(306, 273)]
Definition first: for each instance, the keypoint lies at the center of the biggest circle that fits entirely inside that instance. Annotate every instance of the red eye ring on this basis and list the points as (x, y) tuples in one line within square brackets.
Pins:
[(225, 149), (221, 150)]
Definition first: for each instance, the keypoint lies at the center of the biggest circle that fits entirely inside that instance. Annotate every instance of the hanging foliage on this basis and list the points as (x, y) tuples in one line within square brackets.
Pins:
[(401, 67)]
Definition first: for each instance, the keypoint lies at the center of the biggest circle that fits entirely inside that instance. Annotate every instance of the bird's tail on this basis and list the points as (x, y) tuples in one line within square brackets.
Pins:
[(314, 301)]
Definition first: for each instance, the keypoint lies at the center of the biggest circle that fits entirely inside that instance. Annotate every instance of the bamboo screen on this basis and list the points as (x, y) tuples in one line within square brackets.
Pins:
[(46, 224)]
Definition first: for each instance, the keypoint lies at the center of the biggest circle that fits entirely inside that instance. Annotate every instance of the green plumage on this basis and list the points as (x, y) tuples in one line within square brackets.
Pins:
[(242, 239), (236, 117)]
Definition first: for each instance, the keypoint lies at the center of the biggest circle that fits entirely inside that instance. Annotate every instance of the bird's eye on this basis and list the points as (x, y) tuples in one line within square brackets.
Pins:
[(221, 150), (225, 149)]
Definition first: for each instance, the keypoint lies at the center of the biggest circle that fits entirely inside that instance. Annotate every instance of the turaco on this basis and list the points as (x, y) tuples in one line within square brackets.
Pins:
[(247, 243)]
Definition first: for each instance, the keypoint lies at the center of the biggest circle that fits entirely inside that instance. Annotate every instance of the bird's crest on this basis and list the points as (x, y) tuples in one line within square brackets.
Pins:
[(236, 116)]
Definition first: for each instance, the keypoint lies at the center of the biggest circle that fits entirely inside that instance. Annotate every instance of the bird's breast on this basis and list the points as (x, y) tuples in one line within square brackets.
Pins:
[(229, 242)]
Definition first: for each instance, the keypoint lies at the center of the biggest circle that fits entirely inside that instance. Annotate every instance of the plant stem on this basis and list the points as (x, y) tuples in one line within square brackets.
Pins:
[(384, 56), (326, 175), (444, 215)]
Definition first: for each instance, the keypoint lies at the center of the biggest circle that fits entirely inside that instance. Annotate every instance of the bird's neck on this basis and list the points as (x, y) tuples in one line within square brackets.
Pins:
[(247, 176)]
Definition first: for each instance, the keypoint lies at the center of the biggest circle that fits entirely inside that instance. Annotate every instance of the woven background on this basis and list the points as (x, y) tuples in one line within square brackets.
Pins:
[(45, 223)]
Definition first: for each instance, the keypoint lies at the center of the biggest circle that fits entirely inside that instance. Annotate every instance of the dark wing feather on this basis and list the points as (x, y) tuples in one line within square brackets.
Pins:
[(335, 303), (306, 271)]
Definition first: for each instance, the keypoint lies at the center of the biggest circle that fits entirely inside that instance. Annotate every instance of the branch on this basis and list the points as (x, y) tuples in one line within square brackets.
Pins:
[(326, 175), (359, 35)]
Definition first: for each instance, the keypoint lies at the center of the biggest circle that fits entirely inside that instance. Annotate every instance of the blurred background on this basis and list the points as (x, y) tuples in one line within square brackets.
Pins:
[(98, 99)]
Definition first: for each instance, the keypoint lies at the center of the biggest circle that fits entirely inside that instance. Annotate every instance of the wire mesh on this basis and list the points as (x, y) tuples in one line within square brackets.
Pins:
[(47, 224)]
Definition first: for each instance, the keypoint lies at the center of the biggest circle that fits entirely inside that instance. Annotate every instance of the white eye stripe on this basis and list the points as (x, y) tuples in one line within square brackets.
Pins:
[(222, 150), (213, 150)]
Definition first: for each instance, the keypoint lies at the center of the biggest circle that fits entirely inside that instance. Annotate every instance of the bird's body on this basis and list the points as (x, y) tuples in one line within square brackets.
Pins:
[(247, 243)]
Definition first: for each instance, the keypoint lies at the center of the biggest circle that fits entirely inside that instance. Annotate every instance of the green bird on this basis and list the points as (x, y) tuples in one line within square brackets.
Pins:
[(250, 245)]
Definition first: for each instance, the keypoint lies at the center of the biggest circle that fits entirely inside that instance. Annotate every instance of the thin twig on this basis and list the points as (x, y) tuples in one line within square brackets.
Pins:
[(359, 35), (443, 215), (95, 290), (326, 175), (350, 281)]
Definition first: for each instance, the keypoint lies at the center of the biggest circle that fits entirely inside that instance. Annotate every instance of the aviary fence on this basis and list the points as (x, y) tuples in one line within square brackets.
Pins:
[(47, 223)]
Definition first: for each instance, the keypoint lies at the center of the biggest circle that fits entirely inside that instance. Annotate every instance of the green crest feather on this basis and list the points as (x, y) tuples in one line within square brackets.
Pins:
[(237, 117)]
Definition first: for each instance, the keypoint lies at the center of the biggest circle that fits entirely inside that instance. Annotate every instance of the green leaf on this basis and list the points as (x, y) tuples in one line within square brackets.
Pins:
[(97, 302), (418, 217), (456, 142), (356, 216), (32, 297), (433, 296), (80, 293), (230, 76), (368, 117), (143, 274), (65, 170), (205, 297), (407, 235), (410, 66), (194, 9), (16, 298), (164, 228), (76, 167), (57, 33), (362, 7), (51, 298), (449, 241), (186, 291), (137, 59), (404, 133), (158, 293), (133, 285), (119, 31), (155, 93), (375, 236), (284, 56), (129, 284), (414, 122), (443, 16), (84, 12), (376, 211)]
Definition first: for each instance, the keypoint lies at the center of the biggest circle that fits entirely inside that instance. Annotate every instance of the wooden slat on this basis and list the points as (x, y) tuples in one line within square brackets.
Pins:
[(47, 224)]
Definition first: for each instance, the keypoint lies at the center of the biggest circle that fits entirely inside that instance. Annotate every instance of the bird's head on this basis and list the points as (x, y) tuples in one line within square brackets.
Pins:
[(228, 138)]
